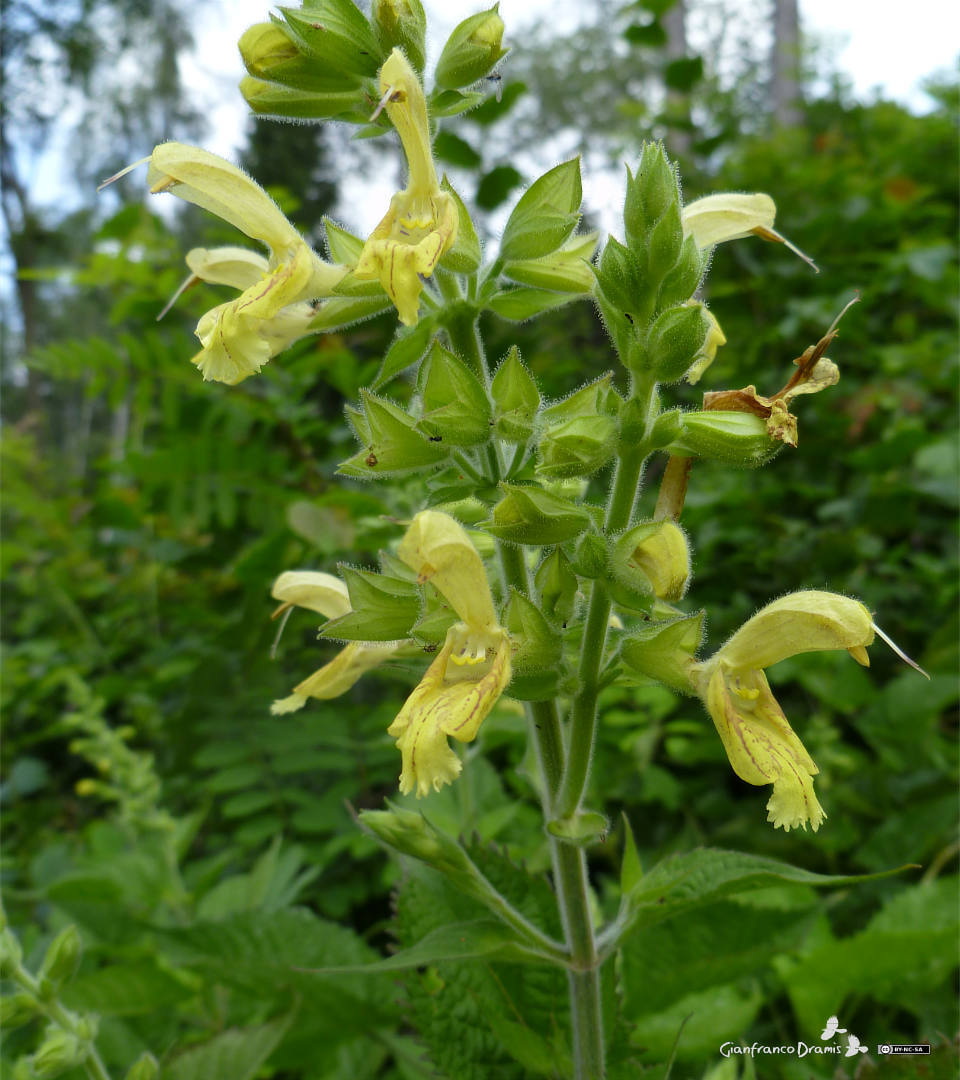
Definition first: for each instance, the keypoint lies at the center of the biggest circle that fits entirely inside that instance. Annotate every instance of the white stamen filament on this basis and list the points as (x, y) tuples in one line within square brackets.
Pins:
[(896, 648)]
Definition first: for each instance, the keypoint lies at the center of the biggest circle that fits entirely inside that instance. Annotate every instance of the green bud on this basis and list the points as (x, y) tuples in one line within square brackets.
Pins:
[(269, 99), (621, 279), (652, 557), (465, 256), (557, 587), (144, 1068), (62, 957), (530, 515), (472, 50), (675, 342), (545, 215), (735, 438), (567, 269), (664, 247), (636, 418), (17, 1010), (270, 53), (401, 24), (538, 647), (394, 445), (456, 409), (59, 1051), (649, 195), (516, 398), (665, 650), (580, 829), (577, 447), (411, 834), (683, 280), (590, 558), (10, 952), (666, 429), (382, 608), (336, 33)]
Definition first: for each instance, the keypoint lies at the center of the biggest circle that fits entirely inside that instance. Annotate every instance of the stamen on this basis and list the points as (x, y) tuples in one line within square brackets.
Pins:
[(122, 172), (286, 609), (383, 103), (192, 280), (896, 648), (772, 234)]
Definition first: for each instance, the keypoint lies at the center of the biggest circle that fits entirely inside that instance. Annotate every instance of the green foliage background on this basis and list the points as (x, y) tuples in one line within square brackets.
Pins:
[(146, 514)]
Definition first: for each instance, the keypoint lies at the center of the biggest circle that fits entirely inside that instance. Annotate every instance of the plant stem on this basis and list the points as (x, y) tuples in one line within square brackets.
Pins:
[(569, 863), (584, 712)]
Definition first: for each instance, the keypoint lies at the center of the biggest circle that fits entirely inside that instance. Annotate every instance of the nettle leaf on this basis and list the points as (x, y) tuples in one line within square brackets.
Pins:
[(684, 882), (126, 990), (238, 1053), (709, 947), (908, 947), (471, 1015)]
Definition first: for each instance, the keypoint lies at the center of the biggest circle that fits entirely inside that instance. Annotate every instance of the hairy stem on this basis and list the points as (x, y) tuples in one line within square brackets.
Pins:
[(569, 863)]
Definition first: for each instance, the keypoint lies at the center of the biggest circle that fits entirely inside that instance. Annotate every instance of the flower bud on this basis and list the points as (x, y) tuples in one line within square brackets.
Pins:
[(270, 99), (665, 651), (516, 399), (59, 1051), (653, 557), (62, 957), (536, 645), (675, 342), (530, 515), (577, 447), (336, 33), (735, 438), (10, 952), (270, 53), (401, 24), (708, 351), (144, 1068), (471, 51), (649, 195), (590, 558), (17, 1010), (557, 586)]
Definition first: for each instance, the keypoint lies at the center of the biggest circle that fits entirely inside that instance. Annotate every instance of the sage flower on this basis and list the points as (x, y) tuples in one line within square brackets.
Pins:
[(239, 337), (421, 224), (715, 219), (471, 670), (328, 596), (759, 741)]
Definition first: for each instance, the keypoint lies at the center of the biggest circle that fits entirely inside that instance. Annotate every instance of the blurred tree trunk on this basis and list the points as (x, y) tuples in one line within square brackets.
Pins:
[(679, 139), (785, 64)]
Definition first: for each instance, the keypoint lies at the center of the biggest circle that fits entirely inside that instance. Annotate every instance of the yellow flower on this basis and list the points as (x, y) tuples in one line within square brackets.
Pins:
[(758, 739), (239, 337), (471, 670), (708, 350), (715, 219), (421, 224), (327, 595)]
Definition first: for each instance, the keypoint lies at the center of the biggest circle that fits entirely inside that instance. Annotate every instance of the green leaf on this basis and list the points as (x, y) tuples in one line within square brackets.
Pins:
[(496, 185), (455, 404), (126, 990), (344, 247), (340, 312), (650, 34), (457, 151), (458, 941), (516, 398), (682, 74), (407, 348), (452, 102), (684, 882), (383, 608), (465, 256), (524, 303), (546, 214), (395, 445), (238, 1053)]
